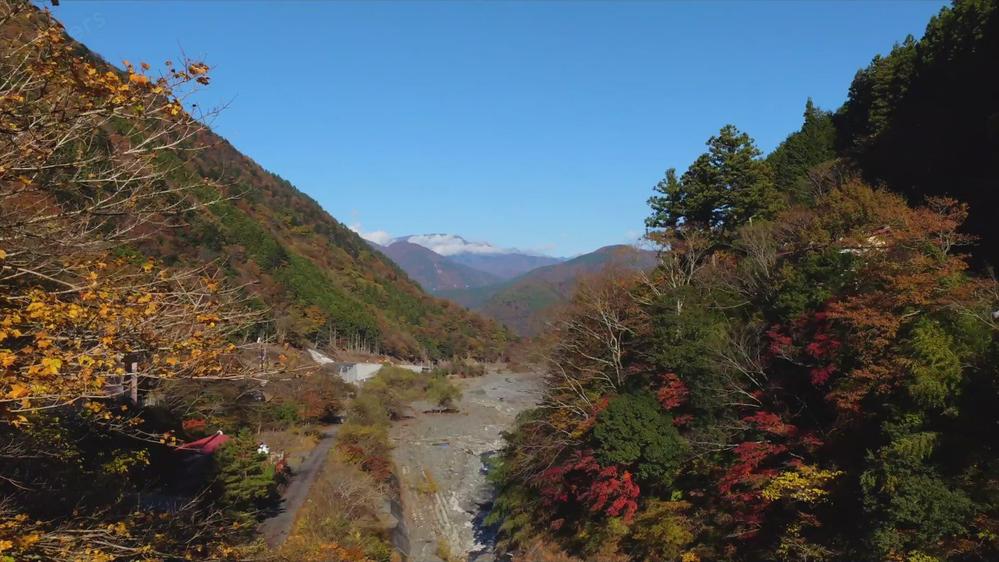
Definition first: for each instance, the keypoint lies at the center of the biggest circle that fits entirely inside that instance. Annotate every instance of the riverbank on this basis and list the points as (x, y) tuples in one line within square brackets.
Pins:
[(439, 458)]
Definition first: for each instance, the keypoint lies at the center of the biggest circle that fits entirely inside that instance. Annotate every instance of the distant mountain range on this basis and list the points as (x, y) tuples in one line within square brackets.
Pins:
[(433, 271), (516, 288), (526, 302), (505, 266), (443, 262)]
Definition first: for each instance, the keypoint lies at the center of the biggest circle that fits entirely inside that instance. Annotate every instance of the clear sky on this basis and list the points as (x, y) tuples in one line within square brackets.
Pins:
[(537, 125)]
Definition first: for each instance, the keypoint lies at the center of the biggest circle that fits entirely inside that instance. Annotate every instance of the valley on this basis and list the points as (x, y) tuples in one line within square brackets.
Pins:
[(442, 461), (797, 361), (522, 292)]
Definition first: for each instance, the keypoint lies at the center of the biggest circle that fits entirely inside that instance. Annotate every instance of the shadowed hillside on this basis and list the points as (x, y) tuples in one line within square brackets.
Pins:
[(523, 304), (433, 271)]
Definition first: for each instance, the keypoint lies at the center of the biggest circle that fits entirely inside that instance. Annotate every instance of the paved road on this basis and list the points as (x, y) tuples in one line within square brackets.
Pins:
[(275, 529)]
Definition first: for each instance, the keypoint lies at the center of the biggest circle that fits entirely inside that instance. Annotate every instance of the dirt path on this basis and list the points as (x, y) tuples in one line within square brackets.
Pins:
[(440, 461), (275, 529)]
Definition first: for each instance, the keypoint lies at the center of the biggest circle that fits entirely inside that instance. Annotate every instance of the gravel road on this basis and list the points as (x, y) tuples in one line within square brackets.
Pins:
[(441, 473), (275, 529)]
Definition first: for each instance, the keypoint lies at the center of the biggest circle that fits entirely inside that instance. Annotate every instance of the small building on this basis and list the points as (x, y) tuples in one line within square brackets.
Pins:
[(205, 446)]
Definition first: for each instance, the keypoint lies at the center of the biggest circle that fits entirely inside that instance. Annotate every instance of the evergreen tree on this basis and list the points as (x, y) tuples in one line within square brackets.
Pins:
[(804, 149), (244, 477), (725, 187), (924, 119)]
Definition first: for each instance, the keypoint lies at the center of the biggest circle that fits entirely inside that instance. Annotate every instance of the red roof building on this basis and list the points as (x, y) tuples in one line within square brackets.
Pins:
[(206, 445)]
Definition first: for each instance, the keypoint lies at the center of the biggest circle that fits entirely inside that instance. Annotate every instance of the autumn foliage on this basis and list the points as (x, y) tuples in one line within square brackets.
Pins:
[(89, 326), (829, 377)]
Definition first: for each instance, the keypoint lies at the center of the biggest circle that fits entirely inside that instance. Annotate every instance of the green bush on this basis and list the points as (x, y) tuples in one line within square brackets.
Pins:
[(636, 432), (285, 414), (441, 392), (460, 367)]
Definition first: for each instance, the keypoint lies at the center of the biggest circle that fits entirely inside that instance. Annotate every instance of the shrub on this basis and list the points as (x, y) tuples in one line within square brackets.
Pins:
[(462, 367), (442, 393), (285, 414), (368, 447)]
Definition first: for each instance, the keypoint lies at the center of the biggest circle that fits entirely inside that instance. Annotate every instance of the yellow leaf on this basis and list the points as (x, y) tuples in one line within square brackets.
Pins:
[(18, 390), (52, 364), (3, 254)]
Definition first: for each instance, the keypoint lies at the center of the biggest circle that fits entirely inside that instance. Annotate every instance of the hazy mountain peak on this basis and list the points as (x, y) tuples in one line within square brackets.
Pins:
[(452, 244)]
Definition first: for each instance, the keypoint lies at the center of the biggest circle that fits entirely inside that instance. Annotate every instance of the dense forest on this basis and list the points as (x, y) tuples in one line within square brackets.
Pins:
[(811, 371)]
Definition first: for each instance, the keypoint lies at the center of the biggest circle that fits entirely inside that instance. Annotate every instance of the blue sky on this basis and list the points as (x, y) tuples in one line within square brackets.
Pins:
[(537, 125)]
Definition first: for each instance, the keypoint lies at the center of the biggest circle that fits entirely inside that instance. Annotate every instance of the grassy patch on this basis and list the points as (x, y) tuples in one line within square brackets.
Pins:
[(341, 520)]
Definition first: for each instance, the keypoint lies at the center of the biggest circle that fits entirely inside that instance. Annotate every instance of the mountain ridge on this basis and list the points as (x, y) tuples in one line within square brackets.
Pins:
[(451, 244), (433, 271), (440, 262), (524, 302)]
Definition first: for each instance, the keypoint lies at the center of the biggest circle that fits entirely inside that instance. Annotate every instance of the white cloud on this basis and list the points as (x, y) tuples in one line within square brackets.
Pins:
[(379, 237), (449, 245), (443, 244)]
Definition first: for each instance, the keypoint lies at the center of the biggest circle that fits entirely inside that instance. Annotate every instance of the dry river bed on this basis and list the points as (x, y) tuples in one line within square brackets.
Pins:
[(440, 466)]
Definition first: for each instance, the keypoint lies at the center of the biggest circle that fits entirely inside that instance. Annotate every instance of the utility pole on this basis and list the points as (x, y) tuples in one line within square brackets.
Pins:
[(135, 384)]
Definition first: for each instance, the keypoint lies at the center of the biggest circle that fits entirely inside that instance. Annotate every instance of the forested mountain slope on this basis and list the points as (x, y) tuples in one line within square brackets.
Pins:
[(924, 119), (525, 303), (320, 278), (317, 279), (811, 371)]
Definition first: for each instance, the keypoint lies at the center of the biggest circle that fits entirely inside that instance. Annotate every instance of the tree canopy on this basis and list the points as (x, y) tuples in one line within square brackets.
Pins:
[(725, 187)]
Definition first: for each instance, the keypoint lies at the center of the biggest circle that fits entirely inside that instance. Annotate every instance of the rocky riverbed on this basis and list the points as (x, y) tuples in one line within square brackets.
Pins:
[(440, 459)]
